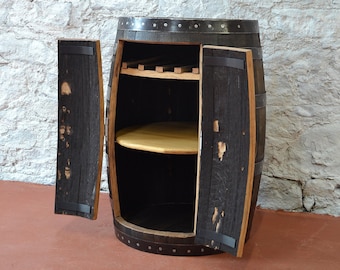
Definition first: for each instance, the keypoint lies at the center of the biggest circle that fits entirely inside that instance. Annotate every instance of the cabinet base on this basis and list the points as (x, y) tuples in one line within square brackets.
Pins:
[(159, 242)]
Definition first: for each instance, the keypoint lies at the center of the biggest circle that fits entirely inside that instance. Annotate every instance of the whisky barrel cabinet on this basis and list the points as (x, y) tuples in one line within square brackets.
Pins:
[(185, 133)]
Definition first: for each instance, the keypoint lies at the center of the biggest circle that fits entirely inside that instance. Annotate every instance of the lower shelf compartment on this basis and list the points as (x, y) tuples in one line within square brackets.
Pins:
[(164, 217)]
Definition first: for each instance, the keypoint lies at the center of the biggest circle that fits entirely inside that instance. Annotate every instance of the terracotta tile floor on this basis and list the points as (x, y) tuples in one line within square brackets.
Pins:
[(32, 237)]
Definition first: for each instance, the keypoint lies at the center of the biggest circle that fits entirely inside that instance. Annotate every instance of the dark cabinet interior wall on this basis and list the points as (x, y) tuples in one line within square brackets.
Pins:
[(157, 191)]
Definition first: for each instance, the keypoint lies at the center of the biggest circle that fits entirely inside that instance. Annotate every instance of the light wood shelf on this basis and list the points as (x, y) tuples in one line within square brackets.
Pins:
[(160, 75), (161, 137)]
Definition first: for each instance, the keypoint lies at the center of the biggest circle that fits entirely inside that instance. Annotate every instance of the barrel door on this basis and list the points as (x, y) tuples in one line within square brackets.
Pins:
[(228, 140), (80, 128)]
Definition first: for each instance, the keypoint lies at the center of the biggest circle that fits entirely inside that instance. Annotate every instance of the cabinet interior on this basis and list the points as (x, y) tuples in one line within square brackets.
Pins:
[(157, 190)]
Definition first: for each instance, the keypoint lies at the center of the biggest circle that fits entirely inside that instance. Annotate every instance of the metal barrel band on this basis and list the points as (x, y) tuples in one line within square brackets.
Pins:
[(188, 25)]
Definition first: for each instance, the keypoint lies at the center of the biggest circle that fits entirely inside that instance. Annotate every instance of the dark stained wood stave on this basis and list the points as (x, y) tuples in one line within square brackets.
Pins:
[(228, 102), (80, 128)]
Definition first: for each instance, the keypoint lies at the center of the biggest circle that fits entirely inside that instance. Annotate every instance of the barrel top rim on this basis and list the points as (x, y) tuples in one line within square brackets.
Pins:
[(173, 24), (185, 19)]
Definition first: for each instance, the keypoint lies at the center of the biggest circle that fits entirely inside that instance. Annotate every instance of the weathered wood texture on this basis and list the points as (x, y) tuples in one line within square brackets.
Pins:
[(228, 149), (80, 128)]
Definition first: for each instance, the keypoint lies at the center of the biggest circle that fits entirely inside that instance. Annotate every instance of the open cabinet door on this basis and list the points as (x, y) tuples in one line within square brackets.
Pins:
[(227, 156), (80, 128)]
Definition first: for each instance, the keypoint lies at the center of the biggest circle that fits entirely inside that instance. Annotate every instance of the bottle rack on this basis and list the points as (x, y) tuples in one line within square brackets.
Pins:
[(161, 61)]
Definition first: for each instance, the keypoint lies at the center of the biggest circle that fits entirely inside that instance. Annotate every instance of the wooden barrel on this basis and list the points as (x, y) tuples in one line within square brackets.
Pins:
[(230, 33)]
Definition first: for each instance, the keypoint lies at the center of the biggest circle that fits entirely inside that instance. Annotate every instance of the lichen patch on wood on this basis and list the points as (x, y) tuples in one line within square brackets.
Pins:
[(216, 126), (67, 172), (65, 89), (215, 215), (62, 132), (222, 148)]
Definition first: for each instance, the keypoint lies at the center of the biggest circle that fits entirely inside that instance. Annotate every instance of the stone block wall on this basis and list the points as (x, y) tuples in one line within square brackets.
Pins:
[(301, 54)]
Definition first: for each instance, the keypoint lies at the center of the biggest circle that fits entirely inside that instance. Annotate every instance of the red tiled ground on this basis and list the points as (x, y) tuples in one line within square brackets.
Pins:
[(32, 237)]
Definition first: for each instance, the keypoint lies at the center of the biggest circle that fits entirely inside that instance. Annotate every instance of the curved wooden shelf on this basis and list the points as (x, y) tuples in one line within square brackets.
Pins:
[(163, 137), (160, 75)]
